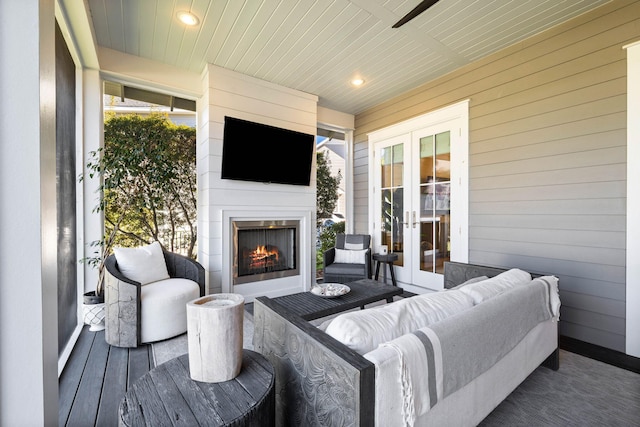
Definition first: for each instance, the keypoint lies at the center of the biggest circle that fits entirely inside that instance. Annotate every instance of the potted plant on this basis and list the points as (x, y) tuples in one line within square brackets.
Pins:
[(104, 246), (146, 172), (93, 307)]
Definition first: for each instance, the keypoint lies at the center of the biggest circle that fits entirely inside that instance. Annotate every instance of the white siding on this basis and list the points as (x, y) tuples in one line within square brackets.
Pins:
[(227, 93)]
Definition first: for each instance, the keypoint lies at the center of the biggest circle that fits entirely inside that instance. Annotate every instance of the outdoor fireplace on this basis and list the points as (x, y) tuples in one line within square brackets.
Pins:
[(265, 250)]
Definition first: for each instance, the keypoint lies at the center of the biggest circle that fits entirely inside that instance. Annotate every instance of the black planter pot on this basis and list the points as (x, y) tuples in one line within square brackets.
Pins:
[(92, 298)]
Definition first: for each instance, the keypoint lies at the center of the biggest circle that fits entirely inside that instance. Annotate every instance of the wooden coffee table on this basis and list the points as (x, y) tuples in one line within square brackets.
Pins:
[(167, 396), (310, 306)]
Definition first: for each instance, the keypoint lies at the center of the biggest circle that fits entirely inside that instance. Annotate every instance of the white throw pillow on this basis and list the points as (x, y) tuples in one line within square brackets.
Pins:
[(350, 257), (364, 330), (144, 264), (482, 291), (354, 246)]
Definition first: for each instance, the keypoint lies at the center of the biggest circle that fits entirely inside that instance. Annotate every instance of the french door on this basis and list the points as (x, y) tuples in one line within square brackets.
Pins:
[(419, 199)]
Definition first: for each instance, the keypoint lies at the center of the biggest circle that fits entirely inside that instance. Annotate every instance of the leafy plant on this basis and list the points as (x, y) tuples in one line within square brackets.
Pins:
[(327, 238), (326, 198), (326, 187), (103, 250), (150, 181), (148, 186)]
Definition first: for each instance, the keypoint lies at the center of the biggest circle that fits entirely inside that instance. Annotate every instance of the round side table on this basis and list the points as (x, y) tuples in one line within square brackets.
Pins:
[(166, 395), (386, 259)]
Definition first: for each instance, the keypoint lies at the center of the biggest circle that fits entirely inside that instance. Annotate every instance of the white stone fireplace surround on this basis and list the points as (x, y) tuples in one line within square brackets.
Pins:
[(270, 287)]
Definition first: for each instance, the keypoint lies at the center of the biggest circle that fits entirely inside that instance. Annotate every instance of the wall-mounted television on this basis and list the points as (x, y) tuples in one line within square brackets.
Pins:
[(261, 153)]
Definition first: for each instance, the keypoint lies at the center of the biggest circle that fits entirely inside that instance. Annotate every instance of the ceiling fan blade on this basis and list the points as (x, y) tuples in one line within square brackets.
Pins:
[(424, 5)]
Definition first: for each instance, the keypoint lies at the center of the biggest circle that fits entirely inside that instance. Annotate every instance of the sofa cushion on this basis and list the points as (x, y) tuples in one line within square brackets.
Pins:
[(364, 330), (164, 308), (144, 264), (468, 282), (485, 289)]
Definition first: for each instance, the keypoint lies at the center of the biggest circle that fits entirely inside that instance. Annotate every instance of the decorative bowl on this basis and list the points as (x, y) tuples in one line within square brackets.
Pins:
[(330, 290)]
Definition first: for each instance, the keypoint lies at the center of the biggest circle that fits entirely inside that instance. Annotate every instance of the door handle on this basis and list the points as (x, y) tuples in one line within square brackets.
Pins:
[(406, 219), (414, 219)]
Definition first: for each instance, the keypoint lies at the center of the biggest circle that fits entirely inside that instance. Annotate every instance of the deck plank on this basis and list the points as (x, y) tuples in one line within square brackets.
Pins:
[(114, 387), (70, 377), (140, 362), (84, 411), (96, 378)]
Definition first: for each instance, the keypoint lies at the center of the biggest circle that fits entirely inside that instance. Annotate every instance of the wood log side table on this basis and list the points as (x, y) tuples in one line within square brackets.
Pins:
[(386, 259), (167, 396)]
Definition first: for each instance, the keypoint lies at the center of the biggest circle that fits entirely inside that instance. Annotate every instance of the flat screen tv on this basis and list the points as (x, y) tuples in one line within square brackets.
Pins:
[(261, 153)]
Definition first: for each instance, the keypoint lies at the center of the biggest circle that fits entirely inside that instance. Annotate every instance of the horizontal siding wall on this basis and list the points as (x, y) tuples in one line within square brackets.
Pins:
[(360, 188), (547, 161)]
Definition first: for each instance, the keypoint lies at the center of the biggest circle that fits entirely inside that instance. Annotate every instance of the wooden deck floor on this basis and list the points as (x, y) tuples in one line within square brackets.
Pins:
[(96, 378)]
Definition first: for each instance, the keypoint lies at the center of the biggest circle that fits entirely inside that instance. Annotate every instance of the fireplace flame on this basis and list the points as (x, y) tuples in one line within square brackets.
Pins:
[(263, 257)]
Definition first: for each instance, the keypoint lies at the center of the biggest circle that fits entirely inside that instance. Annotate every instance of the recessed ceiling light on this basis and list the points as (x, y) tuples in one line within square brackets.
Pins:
[(188, 18), (357, 82)]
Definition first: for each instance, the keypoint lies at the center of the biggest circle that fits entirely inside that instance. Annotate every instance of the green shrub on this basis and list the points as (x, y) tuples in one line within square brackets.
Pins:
[(327, 238)]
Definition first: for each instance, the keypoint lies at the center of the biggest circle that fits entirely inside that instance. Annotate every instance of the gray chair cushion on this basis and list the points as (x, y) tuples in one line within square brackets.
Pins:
[(341, 269), (353, 241)]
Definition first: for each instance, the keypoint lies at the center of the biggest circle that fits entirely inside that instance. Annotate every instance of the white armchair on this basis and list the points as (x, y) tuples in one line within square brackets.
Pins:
[(138, 311)]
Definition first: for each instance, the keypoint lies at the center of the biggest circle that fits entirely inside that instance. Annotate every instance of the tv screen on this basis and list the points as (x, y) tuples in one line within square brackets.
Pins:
[(261, 153)]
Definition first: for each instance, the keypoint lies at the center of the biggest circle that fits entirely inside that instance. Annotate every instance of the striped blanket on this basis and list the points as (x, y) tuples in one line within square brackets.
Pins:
[(436, 361)]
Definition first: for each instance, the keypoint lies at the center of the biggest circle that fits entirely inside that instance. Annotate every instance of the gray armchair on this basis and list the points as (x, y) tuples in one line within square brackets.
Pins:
[(345, 272), (124, 301)]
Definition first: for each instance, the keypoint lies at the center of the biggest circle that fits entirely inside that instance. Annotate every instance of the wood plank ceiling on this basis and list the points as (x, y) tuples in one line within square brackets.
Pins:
[(317, 46)]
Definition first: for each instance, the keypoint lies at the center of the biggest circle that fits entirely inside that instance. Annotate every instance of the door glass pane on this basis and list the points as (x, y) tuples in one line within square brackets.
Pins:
[(386, 166), (392, 203), (426, 159), (398, 165), (435, 191), (443, 157)]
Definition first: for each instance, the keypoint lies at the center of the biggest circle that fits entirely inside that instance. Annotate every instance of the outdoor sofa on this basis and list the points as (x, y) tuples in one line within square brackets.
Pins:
[(474, 352)]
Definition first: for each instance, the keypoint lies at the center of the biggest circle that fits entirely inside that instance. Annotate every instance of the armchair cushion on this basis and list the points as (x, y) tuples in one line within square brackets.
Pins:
[(144, 264), (353, 246), (164, 308), (353, 241), (350, 256), (342, 269)]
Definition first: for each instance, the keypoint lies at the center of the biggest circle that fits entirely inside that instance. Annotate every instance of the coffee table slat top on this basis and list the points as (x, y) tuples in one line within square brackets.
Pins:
[(167, 395), (310, 306)]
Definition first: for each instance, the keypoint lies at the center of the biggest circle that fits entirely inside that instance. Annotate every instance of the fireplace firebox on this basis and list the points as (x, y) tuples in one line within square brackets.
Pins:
[(265, 250)]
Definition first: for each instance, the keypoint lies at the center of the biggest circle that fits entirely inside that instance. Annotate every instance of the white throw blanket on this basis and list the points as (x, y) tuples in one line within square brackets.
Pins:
[(421, 388), (433, 362), (554, 295)]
